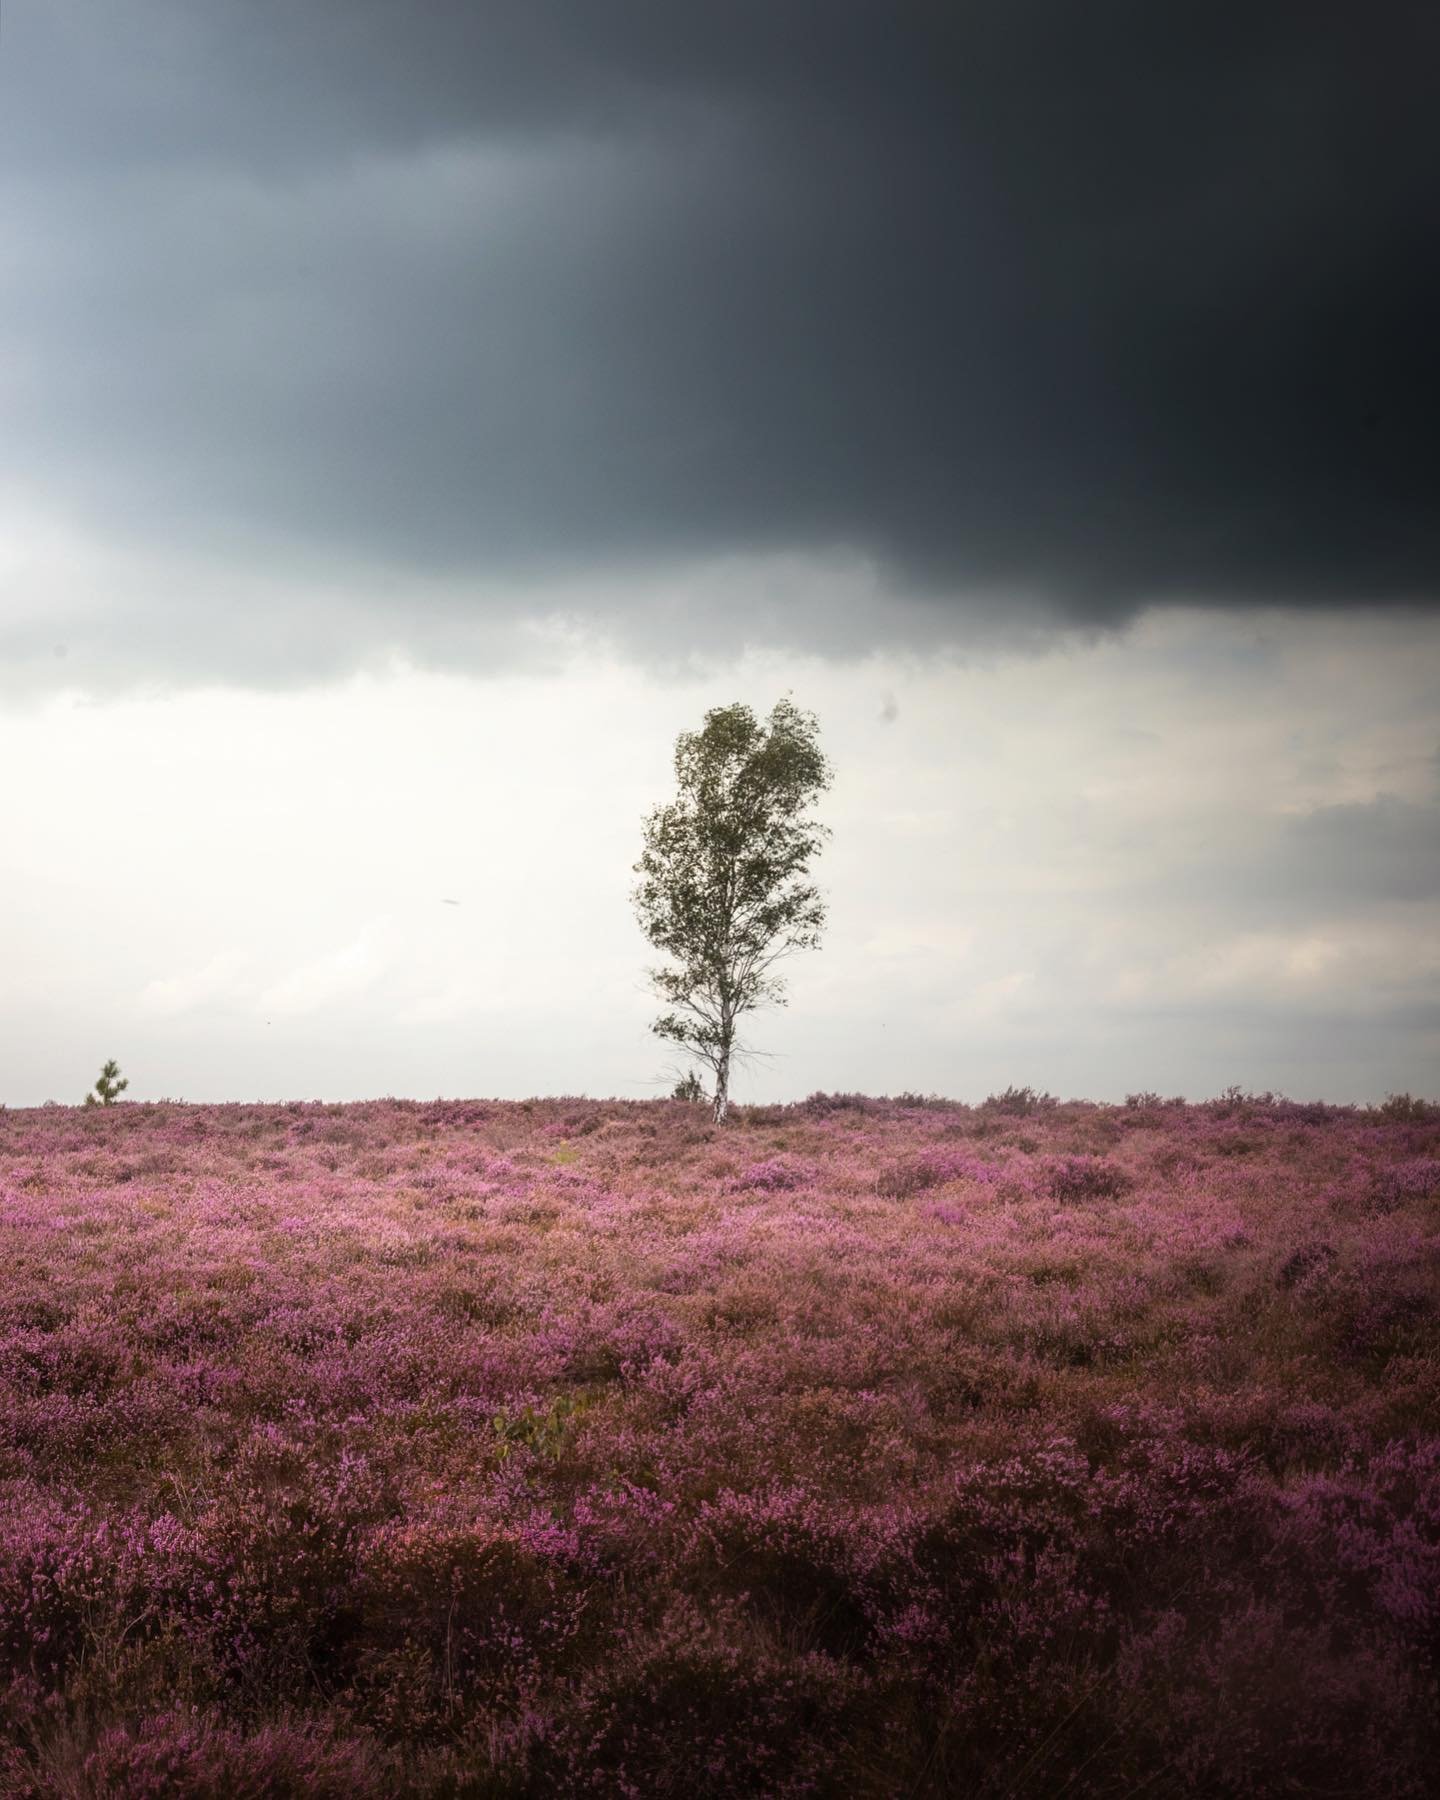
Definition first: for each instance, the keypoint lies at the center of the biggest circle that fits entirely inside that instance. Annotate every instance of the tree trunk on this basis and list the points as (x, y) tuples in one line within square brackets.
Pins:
[(722, 1086)]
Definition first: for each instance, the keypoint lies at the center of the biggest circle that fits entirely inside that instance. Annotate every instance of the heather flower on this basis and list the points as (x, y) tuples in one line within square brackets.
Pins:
[(892, 1446)]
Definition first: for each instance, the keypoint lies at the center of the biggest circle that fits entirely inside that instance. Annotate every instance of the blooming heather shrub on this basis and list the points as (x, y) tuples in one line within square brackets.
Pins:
[(554, 1449), (932, 1168), (1366, 1543), (821, 1106), (1304, 1112), (1086, 1178), (58, 1572), (179, 1755), (1418, 1179), (1167, 1503), (688, 1710), (490, 1612), (1264, 1704), (912, 1176), (772, 1175), (1304, 1264), (267, 1583), (795, 1557)]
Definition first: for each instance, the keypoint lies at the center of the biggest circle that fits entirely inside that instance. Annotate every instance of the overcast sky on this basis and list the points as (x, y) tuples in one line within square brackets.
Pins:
[(412, 415)]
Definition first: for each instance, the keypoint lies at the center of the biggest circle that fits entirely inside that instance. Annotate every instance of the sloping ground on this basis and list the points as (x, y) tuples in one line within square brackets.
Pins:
[(859, 1449)]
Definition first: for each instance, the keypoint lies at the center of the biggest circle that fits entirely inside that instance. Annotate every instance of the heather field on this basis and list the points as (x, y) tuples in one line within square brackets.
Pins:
[(859, 1448)]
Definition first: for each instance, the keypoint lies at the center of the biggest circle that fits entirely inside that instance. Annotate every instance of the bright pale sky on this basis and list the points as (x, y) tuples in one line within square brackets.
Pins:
[(1199, 853)]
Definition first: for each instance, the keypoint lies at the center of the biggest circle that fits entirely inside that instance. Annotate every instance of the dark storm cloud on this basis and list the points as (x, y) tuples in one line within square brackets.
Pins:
[(1092, 305)]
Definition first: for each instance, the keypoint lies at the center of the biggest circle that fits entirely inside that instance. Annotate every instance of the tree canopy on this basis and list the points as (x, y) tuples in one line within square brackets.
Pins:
[(724, 889)]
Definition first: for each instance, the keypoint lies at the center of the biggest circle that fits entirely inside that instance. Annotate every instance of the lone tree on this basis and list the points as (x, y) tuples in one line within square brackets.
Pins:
[(110, 1085), (723, 887)]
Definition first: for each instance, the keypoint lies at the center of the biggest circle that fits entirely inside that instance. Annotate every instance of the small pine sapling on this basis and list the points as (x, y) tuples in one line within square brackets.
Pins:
[(109, 1087)]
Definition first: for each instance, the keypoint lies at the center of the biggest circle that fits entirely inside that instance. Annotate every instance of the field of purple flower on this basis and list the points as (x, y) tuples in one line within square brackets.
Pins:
[(858, 1449)]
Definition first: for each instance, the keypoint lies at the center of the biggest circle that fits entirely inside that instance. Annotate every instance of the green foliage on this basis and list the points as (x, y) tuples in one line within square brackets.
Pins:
[(723, 889), (546, 1432), (110, 1085), (1019, 1102), (689, 1087), (1408, 1109)]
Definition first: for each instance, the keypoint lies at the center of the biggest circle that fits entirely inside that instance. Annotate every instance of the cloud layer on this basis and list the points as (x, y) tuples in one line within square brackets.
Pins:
[(1028, 309)]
